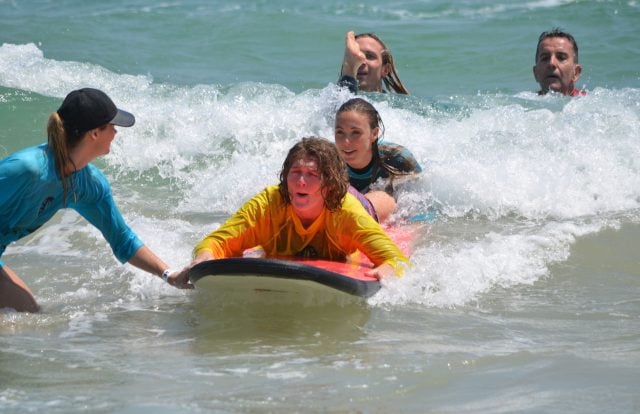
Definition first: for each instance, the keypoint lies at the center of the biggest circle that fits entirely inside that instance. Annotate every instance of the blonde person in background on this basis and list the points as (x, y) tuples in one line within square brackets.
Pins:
[(368, 66)]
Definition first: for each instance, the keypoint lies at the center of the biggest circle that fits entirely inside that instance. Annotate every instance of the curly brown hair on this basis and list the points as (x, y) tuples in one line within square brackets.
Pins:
[(333, 170)]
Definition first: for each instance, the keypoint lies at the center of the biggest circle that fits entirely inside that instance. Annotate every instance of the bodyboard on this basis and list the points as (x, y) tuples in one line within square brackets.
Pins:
[(300, 277), (293, 279)]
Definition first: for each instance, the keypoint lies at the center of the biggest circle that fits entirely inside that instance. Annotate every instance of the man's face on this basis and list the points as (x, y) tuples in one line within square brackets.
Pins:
[(555, 68)]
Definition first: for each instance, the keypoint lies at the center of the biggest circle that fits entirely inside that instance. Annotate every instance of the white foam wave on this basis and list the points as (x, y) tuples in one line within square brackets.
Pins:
[(459, 272), (25, 67), (538, 163)]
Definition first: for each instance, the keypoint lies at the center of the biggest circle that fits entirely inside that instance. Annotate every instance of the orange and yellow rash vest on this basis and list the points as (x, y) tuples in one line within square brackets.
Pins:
[(266, 220)]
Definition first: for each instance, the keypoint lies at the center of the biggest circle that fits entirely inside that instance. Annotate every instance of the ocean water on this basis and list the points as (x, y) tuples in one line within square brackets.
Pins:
[(524, 295)]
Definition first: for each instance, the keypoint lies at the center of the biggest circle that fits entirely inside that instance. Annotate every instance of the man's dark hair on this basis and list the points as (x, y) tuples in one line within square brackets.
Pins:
[(557, 32)]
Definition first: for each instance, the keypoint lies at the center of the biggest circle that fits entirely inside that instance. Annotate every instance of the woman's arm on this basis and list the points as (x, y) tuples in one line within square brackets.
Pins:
[(97, 205), (147, 260)]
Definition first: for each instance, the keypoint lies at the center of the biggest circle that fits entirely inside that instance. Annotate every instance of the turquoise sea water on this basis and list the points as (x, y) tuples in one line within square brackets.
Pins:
[(524, 295)]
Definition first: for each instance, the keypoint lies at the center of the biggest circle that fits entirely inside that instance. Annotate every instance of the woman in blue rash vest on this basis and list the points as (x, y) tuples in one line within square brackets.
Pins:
[(357, 130), (38, 181)]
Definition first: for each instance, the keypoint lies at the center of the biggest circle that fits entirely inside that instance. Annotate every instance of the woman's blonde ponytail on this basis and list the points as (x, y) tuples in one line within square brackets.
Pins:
[(59, 144)]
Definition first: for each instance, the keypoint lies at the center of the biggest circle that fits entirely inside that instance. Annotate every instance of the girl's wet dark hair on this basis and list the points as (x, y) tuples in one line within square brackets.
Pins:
[(364, 107), (333, 170)]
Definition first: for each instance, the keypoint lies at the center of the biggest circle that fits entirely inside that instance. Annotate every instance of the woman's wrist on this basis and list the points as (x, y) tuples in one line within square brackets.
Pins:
[(165, 275)]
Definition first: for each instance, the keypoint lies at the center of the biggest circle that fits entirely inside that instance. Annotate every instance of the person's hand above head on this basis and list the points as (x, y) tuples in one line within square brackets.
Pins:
[(353, 56)]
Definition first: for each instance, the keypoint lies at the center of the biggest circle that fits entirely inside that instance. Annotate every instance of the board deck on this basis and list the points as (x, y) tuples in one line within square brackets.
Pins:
[(291, 275)]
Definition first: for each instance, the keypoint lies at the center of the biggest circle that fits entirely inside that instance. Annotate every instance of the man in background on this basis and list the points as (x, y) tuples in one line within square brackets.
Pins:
[(557, 68)]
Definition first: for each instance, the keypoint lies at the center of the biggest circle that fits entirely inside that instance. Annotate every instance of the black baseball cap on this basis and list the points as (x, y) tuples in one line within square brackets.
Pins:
[(85, 109)]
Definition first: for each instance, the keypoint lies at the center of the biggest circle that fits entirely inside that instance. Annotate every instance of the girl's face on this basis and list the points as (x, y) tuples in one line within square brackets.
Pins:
[(354, 138)]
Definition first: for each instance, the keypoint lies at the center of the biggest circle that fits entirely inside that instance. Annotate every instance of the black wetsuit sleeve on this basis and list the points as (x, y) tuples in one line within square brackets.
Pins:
[(349, 82)]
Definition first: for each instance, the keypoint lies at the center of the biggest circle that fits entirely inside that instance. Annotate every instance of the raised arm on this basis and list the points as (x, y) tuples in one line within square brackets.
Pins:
[(353, 56)]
